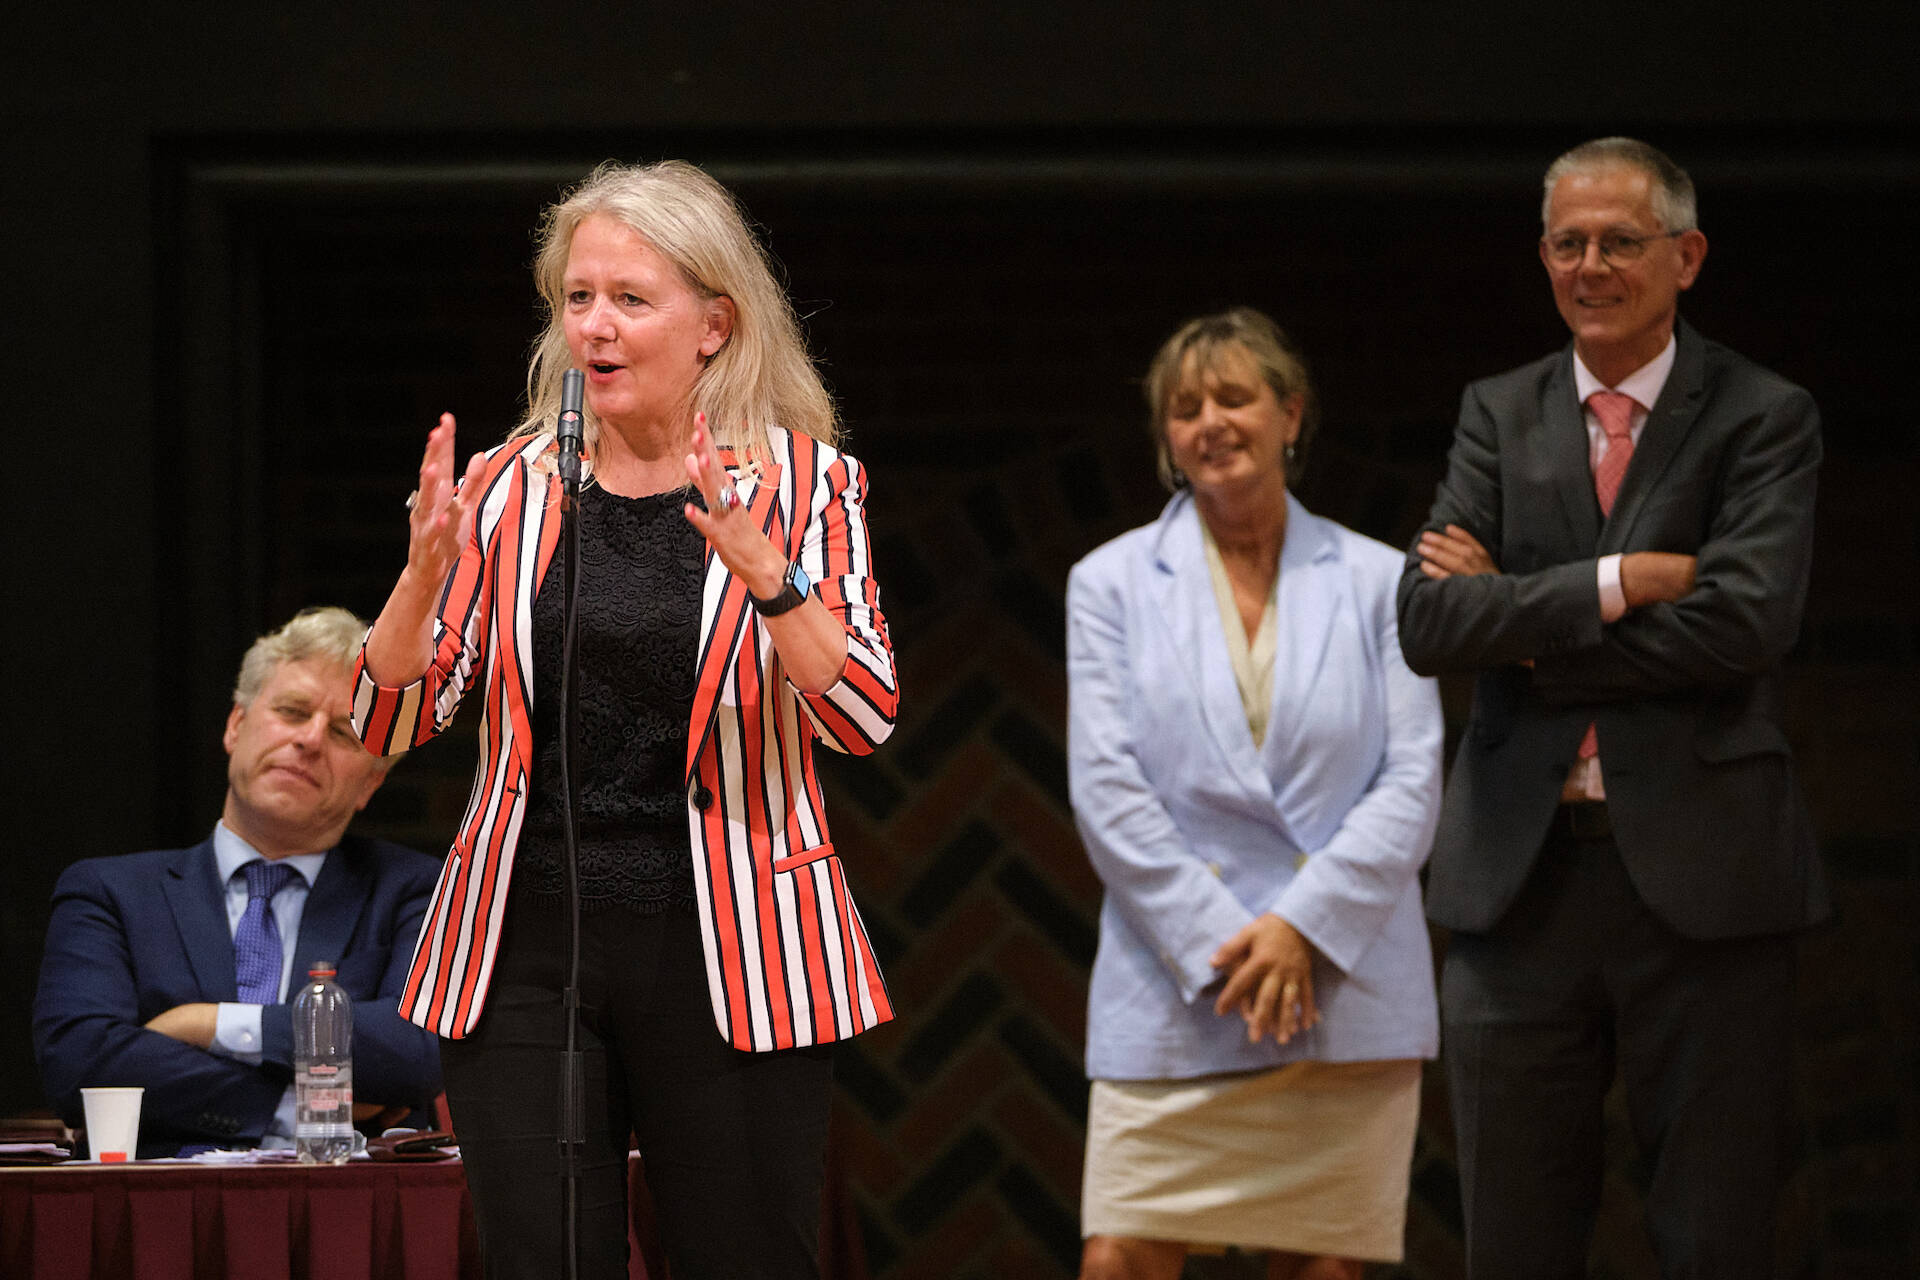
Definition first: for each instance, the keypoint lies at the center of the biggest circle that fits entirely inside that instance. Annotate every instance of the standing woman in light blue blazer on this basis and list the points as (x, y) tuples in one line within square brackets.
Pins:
[(1256, 776)]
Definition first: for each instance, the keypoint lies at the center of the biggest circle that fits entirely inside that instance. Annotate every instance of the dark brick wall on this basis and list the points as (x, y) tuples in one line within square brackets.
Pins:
[(985, 334)]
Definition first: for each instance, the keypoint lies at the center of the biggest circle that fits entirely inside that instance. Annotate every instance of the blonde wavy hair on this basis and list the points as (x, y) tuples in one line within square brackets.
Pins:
[(762, 376)]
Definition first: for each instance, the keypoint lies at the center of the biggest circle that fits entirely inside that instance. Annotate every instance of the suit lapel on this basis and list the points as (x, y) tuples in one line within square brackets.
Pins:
[(543, 472), (1668, 423), (197, 901), (1312, 591), (1566, 452), (340, 892), (724, 606), (527, 536), (1182, 590)]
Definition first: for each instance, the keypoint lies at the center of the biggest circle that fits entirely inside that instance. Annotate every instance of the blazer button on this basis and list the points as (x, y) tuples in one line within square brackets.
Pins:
[(702, 798)]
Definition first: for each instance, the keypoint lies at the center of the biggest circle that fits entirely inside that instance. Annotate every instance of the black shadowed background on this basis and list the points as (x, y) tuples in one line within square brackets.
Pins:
[(254, 250)]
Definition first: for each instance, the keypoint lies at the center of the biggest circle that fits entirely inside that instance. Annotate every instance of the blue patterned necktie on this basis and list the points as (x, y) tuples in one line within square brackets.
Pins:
[(256, 943)]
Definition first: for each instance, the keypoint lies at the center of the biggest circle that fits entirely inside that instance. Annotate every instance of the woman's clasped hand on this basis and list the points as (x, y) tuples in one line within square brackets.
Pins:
[(1268, 971)]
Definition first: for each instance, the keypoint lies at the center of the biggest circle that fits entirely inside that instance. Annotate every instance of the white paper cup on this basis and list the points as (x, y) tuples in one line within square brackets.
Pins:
[(113, 1123)]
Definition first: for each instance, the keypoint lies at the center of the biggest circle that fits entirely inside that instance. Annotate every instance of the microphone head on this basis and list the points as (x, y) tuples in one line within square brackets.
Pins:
[(569, 430)]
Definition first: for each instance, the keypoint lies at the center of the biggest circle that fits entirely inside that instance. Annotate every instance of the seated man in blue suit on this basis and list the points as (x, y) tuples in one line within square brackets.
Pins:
[(172, 969)]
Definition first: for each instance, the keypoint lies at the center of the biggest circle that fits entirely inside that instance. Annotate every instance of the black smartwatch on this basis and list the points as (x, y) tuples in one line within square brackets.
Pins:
[(792, 593)]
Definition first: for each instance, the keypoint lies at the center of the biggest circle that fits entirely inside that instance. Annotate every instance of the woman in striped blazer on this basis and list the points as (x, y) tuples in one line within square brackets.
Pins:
[(728, 622)]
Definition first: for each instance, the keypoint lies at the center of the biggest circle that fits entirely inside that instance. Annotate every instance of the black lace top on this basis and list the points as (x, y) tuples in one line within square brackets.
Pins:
[(641, 569)]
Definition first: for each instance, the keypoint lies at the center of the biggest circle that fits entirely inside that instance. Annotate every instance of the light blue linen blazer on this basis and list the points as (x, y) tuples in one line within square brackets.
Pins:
[(1194, 831)]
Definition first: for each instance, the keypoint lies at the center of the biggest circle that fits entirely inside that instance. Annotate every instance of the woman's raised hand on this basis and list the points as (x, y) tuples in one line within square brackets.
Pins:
[(811, 642), (441, 517), (747, 552), (401, 643)]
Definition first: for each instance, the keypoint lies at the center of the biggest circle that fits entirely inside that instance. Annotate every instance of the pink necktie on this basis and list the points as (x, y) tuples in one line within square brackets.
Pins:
[(1614, 409)]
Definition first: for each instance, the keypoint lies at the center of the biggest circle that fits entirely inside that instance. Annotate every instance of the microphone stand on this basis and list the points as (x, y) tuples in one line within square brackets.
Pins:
[(573, 1070)]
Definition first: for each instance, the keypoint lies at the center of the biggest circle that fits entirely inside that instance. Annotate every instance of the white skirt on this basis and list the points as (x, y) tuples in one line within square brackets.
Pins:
[(1312, 1158)]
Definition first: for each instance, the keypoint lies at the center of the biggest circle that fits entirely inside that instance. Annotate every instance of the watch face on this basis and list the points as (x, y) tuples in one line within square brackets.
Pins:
[(801, 582)]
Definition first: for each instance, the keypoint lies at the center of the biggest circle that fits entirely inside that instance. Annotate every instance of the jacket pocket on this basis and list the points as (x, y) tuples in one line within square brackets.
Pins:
[(802, 858), (1738, 741), (1484, 733)]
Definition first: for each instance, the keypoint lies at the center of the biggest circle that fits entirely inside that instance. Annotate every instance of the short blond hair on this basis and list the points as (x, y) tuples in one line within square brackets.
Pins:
[(1204, 344), (325, 631), (762, 376)]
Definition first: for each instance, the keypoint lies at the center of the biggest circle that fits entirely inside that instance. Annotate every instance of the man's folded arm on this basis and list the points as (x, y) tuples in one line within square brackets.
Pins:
[(1750, 581), (88, 1031), (1470, 622)]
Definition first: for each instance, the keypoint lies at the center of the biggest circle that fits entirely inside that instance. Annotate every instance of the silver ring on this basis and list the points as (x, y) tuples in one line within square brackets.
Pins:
[(413, 499), (728, 498)]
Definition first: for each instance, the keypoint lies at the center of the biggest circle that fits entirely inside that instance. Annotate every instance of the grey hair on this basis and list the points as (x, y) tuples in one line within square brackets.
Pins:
[(762, 375), (1673, 200), (326, 631)]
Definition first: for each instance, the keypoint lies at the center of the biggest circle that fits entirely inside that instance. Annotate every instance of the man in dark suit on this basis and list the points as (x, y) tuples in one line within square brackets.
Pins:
[(1619, 552), (172, 969)]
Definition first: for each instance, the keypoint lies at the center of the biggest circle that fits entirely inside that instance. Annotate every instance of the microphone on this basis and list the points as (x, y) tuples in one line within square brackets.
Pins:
[(568, 430)]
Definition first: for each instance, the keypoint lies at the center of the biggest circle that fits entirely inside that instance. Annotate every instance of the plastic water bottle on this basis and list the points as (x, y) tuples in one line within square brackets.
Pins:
[(322, 1069)]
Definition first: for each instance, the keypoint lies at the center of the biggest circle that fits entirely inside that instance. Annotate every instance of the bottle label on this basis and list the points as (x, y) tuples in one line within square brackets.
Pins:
[(327, 1099)]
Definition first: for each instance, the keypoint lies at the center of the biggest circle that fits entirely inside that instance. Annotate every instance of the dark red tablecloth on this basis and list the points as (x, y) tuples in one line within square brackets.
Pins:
[(357, 1221), (246, 1222)]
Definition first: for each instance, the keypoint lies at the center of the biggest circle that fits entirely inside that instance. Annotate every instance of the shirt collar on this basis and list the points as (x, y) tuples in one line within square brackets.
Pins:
[(1643, 384), (230, 853)]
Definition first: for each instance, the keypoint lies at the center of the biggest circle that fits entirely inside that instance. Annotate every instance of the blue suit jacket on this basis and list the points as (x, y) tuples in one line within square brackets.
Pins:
[(131, 937), (1195, 831)]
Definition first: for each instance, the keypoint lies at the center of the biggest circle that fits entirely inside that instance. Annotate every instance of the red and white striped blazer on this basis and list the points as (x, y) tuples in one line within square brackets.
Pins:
[(788, 961)]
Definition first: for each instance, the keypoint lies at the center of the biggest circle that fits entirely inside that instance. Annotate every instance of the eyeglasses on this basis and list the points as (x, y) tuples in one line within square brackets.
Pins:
[(1569, 248)]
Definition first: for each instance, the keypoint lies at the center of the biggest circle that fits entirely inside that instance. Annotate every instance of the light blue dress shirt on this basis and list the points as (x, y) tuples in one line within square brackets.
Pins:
[(237, 1032)]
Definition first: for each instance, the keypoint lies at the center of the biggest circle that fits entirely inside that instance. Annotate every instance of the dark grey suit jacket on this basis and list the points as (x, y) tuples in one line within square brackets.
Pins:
[(1686, 696)]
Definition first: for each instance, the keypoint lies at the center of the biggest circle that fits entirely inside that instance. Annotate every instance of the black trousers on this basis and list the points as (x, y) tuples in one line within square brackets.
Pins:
[(733, 1144), (1577, 978)]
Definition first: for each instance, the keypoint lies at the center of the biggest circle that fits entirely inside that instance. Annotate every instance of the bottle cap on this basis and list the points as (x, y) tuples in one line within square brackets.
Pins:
[(321, 969)]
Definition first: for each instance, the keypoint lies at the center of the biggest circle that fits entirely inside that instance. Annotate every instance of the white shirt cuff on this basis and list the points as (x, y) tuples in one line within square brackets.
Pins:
[(237, 1035), (1613, 600)]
